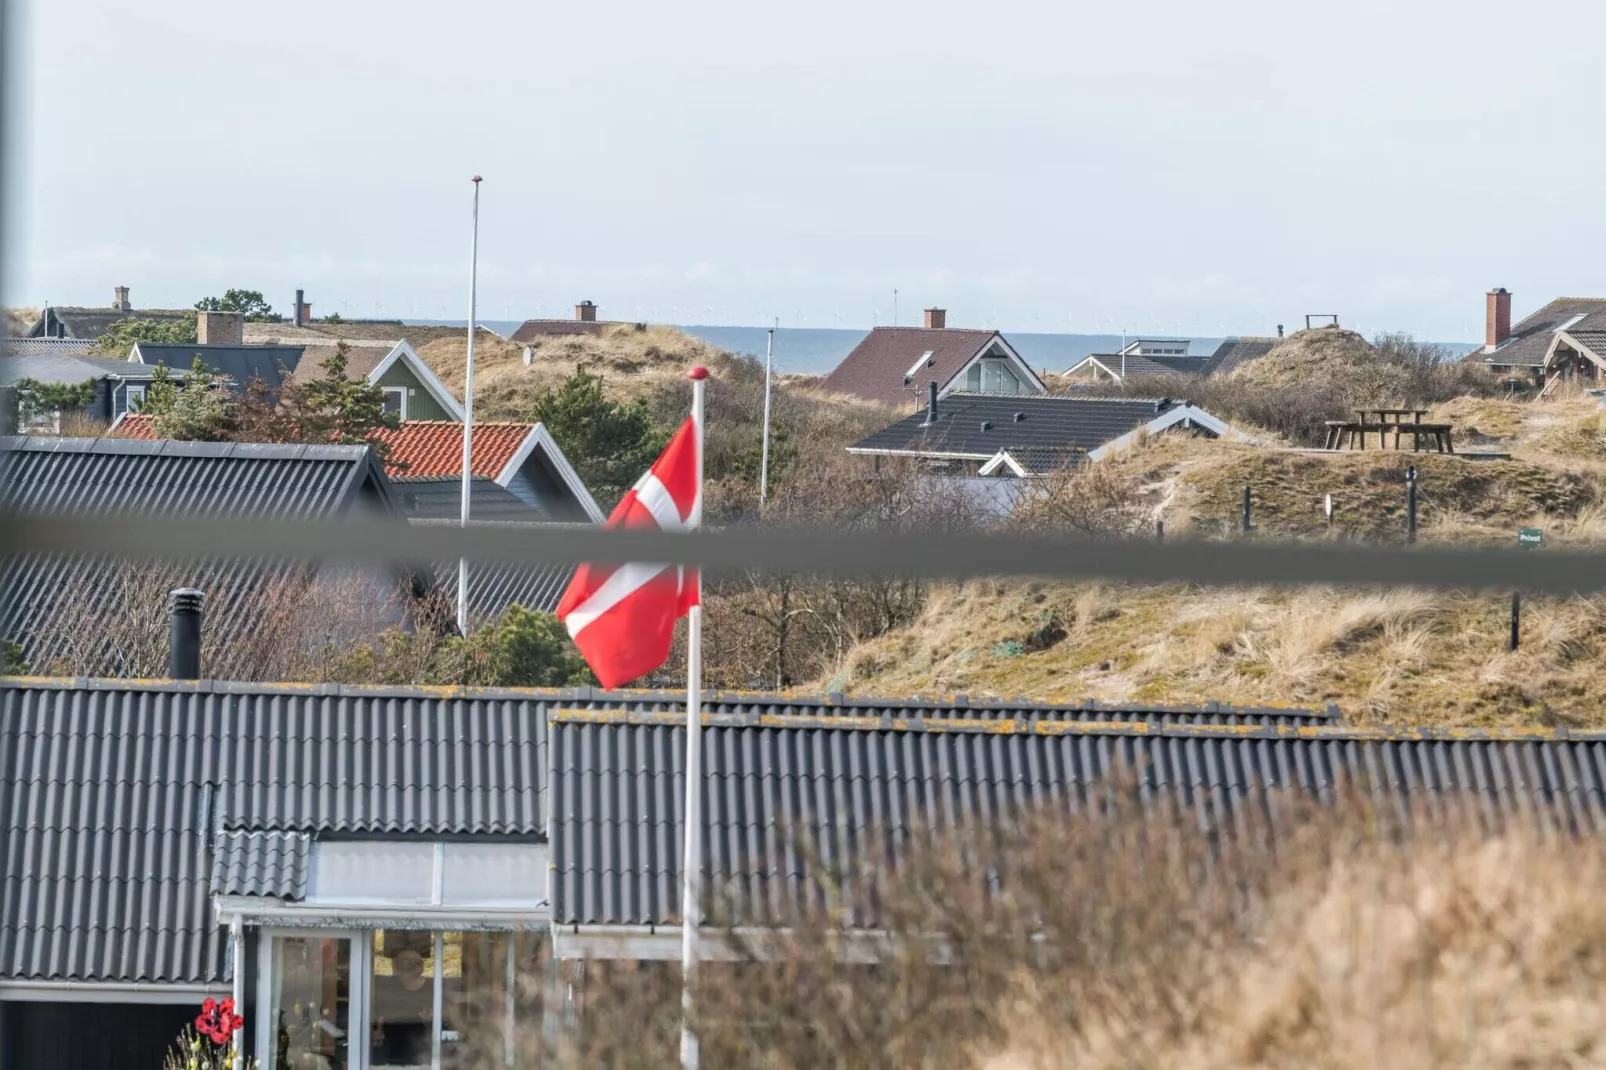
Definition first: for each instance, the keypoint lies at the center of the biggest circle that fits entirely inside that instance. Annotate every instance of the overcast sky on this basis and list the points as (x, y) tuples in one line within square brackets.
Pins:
[(1156, 165)]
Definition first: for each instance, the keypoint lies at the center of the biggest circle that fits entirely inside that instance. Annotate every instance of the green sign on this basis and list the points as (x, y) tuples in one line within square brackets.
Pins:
[(1531, 538)]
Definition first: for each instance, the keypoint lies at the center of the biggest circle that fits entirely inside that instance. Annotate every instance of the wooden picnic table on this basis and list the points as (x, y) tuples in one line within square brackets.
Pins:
[(1384, 414), (1352, 433)]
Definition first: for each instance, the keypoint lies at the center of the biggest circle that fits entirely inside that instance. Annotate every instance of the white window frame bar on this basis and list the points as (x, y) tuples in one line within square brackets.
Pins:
[(401, 412), (360, 966)]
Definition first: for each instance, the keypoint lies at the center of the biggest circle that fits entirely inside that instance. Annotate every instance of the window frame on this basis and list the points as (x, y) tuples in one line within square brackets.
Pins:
[(401, 392)]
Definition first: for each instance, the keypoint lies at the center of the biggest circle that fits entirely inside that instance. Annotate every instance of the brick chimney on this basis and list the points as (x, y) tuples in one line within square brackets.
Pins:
[(220, 328), (585, 312), (1496, 319), (936, 319), (120, 299)]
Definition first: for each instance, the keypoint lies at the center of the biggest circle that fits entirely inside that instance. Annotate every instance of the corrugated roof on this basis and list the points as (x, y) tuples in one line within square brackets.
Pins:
[(1012, 421), (109, 790), (261, 863), (435, 447), (785, 798), (74, 475), (878, 368)]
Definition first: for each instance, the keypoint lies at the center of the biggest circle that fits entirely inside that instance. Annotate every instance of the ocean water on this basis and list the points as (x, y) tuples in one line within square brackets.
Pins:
[(816, 350)]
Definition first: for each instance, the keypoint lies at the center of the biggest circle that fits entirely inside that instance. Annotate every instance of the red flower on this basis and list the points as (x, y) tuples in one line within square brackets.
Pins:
[(217, 1022)]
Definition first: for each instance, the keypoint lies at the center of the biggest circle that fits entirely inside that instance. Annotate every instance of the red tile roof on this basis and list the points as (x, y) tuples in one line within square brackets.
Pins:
[(426, 447), (435, 447), (876, 368), (135, 426)]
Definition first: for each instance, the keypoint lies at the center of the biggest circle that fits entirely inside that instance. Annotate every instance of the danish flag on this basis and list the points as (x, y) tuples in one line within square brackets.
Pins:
[(622, 617)]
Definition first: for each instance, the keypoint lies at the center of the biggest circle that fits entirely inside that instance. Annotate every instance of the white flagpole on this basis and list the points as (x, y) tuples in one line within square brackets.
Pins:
[(692, 864), (468, 407), (764, 456)]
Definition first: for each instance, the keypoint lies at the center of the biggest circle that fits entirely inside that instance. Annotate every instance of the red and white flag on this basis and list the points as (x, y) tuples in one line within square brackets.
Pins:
[(622, 617)]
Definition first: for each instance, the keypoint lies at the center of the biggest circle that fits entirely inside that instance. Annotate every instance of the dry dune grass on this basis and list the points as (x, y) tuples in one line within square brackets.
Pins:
[(1396, 656), (1449, 954), (1113, 935), (17, 321), (634, 363), (1493, 497), (1327, 354), (1580, 436)]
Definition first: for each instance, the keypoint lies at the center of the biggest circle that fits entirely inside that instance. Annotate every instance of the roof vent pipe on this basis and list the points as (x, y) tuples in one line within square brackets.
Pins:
[(1019, 416), (931, 403), (184, 641)]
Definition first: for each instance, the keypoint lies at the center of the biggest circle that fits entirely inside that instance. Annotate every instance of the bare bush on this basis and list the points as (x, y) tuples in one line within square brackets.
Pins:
[(1094, 499), (1119, 935), (775, 629)]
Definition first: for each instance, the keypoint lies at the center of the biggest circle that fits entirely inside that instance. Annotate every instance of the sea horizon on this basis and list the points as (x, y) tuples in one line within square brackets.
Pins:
[(817, 350)]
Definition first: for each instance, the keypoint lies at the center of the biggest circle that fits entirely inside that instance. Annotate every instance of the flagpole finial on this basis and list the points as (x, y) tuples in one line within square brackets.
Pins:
[(699, 372)]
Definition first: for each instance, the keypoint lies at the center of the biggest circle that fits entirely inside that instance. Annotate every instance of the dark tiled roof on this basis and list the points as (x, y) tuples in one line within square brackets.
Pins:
[(1593, 338), (1531, 338), (272, 364), (1235, 351), (1040, 459), (1056, 422), (80, 475), (876, 368), (67, 368), (780, 794), (1138, 364), (111, 792)]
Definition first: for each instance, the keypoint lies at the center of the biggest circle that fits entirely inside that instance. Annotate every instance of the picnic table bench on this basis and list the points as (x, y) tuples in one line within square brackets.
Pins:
[(1401, 422)]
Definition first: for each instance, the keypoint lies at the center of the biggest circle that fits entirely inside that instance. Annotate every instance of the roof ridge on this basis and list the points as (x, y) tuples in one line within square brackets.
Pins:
[(458, 423), (1045, 397), (176, 447), (1019, 726), (954, 700)]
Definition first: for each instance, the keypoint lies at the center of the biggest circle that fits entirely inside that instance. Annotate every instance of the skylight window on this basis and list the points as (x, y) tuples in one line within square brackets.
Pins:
[(923, 362)]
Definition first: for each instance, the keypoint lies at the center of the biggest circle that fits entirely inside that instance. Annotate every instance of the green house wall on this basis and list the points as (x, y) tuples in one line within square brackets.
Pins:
[(421, 404)]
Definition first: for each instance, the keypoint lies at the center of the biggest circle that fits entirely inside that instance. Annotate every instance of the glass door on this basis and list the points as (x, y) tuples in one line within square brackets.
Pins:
[(305, 985)]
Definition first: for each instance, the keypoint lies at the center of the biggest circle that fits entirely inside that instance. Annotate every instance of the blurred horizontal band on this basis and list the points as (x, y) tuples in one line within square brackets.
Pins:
[(822, 552)]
